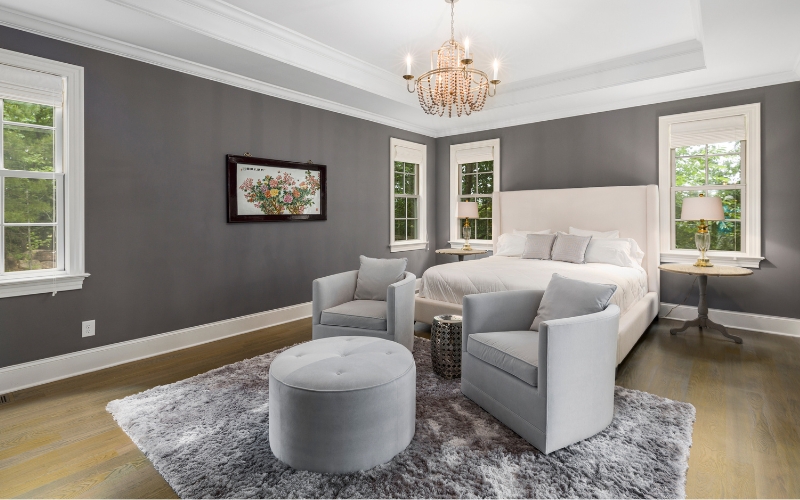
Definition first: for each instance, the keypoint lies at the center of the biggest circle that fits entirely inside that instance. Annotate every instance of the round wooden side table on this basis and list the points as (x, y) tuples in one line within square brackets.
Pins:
[(460, 252), (702, 307)]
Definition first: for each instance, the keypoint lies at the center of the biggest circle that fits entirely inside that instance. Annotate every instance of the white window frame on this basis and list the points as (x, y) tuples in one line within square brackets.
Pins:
[(420, 151), (456, 239), (750, 256), (71, 272)]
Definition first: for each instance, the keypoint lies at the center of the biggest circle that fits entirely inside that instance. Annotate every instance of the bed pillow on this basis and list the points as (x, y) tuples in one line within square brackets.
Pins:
[(568, 298), (594, 234), (510, 245), (538, 246), (525, 233), (570, 248), (375, 276), (614, 251), (636, 253)]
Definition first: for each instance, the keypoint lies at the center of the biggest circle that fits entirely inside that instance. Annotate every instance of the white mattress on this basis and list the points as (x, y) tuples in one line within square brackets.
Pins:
[(451, 282)]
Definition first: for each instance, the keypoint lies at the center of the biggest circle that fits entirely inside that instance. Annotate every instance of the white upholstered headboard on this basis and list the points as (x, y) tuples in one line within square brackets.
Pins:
[(633, 210)]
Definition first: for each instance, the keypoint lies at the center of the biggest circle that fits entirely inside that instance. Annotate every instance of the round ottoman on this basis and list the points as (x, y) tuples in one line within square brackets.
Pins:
[(341, 404)]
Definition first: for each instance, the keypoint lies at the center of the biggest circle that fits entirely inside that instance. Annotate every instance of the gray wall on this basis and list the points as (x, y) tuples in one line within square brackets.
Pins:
[(621, 148), (158, 247)]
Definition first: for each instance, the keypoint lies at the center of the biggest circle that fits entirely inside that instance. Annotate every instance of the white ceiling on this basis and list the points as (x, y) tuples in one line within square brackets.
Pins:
[(558, 57)]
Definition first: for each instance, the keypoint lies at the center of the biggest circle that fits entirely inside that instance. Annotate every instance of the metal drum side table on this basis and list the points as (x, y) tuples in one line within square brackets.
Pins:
[(446, 346)]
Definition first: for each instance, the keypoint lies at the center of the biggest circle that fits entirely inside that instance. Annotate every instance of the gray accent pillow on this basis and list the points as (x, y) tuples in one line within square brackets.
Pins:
[(538, 246), (375, 276), (567, 298), (570, 248)]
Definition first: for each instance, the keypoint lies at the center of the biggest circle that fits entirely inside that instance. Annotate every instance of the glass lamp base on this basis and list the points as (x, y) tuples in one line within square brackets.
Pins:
[(465, 232), (702, 240)]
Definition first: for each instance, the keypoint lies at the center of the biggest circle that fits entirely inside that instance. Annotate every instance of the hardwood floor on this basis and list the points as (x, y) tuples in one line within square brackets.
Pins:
[(57, 440)]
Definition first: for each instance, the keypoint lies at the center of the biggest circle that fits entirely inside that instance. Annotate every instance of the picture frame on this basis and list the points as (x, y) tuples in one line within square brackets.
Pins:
[(264, 190)]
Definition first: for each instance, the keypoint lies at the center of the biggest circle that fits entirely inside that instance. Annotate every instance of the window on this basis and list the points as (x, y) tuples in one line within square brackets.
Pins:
[(474, 176), (712, 153), (41, 175), (407, 176)]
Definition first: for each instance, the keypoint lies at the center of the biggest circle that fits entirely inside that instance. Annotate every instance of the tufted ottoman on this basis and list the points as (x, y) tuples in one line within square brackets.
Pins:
[(341, 404)]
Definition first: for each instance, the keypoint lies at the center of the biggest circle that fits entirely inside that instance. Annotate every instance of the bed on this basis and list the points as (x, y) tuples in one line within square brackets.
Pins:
[(633, 210)]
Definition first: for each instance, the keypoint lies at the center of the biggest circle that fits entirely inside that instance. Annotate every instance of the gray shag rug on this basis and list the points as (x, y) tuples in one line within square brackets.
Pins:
[(208, 437)]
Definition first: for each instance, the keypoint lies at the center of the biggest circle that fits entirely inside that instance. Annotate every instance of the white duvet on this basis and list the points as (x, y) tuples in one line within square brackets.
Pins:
[(450, 282)]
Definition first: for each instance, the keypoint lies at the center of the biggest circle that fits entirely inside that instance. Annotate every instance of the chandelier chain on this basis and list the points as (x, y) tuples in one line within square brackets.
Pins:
[(452, 20)]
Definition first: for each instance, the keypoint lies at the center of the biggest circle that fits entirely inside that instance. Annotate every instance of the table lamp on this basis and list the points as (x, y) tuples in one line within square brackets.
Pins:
[(467, 210), (702, 208)]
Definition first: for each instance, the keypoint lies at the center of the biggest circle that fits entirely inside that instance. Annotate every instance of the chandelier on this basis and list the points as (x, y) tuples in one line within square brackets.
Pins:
[(454, 83)]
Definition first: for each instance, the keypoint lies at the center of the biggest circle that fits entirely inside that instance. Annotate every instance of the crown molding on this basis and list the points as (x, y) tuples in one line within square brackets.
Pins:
[(77, 36), (672, 59), (673, 95), (230, 24)]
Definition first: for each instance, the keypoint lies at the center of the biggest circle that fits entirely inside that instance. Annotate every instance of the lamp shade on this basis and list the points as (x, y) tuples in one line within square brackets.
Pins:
[(467, 210), (702, 207)]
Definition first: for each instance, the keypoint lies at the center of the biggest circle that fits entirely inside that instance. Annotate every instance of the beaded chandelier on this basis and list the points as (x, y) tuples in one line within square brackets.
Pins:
[(454, 83)]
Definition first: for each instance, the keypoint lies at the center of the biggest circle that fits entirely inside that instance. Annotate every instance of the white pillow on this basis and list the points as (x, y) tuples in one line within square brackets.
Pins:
[(511, 245), (519, 231), (594, 234), (636, 253), (613, 251)]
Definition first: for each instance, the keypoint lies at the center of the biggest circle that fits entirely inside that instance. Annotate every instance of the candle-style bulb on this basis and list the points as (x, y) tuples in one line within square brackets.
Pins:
[(496, 66), (408, 64), (466, 48)]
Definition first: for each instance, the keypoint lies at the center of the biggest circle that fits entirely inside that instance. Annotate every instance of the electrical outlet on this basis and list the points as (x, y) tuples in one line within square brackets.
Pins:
[(87, 328)]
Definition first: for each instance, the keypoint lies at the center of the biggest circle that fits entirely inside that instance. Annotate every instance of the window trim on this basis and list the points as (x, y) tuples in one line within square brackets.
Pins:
[(74, 272), (420, 243), (751, 255), (456, 240)]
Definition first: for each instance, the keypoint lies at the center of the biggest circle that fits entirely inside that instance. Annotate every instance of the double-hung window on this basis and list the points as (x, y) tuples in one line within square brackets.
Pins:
[(408, 194), (712, 153), (41, 175), (474, 176)]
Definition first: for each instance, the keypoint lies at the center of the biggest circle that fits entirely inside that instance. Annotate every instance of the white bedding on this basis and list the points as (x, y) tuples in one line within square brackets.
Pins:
[(451, 282)]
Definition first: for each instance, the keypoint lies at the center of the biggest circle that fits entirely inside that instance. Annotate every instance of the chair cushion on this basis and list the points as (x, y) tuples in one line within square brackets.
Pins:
[(568, 298), (375, 276), (516, 353), (364, 314)]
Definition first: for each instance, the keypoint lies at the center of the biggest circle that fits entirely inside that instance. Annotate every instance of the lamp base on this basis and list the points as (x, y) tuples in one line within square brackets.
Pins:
[(466, 246), (703, 263)]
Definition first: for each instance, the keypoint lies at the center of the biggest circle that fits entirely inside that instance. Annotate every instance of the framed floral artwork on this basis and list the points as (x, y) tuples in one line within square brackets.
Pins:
[(262, 190)]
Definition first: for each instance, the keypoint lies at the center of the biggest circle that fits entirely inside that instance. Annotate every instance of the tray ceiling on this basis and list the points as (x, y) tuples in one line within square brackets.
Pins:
[(558, 57)]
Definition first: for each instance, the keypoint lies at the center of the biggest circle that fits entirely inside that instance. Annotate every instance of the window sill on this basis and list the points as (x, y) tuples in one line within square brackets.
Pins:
[(476, 244), (405, 246), (723, 259), (31, 285)]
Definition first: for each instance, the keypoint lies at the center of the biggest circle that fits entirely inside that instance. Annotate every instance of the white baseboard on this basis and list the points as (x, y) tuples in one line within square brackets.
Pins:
[(42, 371), (732, 319)]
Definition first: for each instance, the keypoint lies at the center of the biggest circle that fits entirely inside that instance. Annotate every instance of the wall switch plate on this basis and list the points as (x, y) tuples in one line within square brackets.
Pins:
[(87, 328)]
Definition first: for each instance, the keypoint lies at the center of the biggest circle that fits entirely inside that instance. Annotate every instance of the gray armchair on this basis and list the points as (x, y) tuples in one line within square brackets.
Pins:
[(335, 313), (553, 387)]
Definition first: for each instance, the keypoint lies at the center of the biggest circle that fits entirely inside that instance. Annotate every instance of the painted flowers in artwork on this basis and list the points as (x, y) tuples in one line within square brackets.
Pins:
[(281, 193)]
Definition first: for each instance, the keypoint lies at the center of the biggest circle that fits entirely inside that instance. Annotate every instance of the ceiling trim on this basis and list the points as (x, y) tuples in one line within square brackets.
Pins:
[(84, 38), (234, 26), (673, 95), (672, 59)]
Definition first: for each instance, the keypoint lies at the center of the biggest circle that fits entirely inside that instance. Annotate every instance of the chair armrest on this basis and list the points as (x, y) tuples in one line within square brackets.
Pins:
[(499, 312), (400, 310), (332, 291), (577, 365)]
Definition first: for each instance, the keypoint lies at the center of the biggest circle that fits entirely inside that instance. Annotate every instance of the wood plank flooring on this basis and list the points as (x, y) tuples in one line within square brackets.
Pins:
[(57, 440)]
